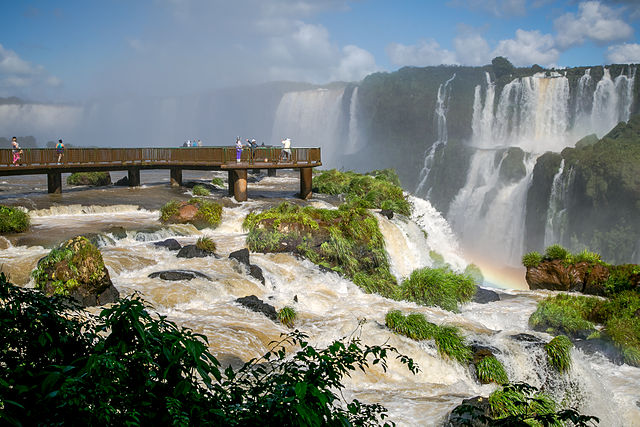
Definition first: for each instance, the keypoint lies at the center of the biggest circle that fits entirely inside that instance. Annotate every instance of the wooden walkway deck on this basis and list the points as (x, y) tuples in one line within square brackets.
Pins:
[(44, 161)]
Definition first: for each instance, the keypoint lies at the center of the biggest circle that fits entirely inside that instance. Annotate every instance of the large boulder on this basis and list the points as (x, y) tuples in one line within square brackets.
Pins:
[(193, 251), (175, 275), (556, 275), (254, 303), (242, 256), (76, 269), (197, 211), (171, 244)]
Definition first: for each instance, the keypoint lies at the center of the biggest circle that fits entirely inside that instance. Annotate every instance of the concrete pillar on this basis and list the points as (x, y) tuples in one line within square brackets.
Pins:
[(54, 182), (134, 177), (240, 185), (231, 180), (176, 177), (271, 172), (306, 175)]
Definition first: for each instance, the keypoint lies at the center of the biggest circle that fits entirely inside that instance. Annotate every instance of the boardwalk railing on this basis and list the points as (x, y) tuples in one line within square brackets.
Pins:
[(196, 156)]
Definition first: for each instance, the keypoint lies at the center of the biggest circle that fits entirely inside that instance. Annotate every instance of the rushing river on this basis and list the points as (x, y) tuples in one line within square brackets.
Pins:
[(328, 306)]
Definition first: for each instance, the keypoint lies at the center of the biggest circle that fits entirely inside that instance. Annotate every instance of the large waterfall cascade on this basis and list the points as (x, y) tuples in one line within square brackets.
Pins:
[(533, 114)]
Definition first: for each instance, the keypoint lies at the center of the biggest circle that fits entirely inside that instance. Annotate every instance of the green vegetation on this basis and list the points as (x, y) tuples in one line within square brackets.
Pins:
[(346, 240), (438, 259), (97, 179), (371, 192), (209, 213), (448, 339), (586, 256), (76, 261), (206, 244), (200, 190), (510, 401), (475, 273), (127, 366), (531, 259), (287, 316), (489, 369), (556, 252), (559, 353), (437, 287), (218, 182), (577, 316), (13, 220)]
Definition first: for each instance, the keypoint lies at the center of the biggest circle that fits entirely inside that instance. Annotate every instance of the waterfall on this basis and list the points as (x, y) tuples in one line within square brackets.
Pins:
[(440, 117), (311, 118), (354, 138), (612, 100), (557, 211)]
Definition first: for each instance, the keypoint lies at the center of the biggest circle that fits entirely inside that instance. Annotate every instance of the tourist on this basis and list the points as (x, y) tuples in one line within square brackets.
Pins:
[(286, 151), (17, 151), (253, 145), (238, 149), (60, 150)]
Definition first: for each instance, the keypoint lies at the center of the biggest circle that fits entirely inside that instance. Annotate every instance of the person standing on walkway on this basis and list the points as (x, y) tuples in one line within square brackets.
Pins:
[(286, 150), (60, 150), (238, 149), (17, 151)]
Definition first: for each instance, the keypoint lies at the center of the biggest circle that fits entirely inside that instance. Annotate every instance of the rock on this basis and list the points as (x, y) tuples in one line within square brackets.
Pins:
[(471, 408), (484, 296), (178, 275), (171, 244), (117, 232), (186, 213), (122, 182), (76, 269), (256, 272), (387, 212), (556, 276), (192, 251), (599, 345), (253, 303), (241, 255), (100, 240), (595, 281), (527, 338)]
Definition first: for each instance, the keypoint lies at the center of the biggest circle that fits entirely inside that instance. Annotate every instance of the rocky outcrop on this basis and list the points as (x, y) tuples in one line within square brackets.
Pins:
[(242, 256), (556, 275), (254, 303), (175, 275), (171, 244), (76, 270), (484, 296), (193, 251)]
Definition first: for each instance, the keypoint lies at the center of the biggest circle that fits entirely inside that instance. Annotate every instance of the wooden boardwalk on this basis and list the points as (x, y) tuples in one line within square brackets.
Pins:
[(44, 161)]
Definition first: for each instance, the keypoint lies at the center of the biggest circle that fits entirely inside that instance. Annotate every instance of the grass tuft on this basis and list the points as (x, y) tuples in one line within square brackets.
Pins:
[(559, 353), (13, 220), (489, 369), (439, 287), (287, 316), (532, 259), (200, 190), (206, 244)]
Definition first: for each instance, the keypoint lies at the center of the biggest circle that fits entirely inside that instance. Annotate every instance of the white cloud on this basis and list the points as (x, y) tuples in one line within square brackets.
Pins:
[(425, 52), (473, 48), (11, 63), (594, 21), (18, 75), (529, 47), (355, 64), (626, 53)]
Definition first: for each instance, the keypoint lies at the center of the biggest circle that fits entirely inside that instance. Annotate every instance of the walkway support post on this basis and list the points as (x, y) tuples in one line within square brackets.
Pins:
[(306, 177), (54, 182), (231, 176), (240, 185), (176, 177), (271, 172), (134, 177)]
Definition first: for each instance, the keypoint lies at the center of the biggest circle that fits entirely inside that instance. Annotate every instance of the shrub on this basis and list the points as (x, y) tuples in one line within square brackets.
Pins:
[(200, 190), (218, 182), (559, 353), (489, 369), (389, 175), (586, 256), (517, 400), (415, 326), (13, 220), (437, 287), (169, 209), (619, 279), (475, 273), (625, 334), (556, 252), (532, 259), (565, 314), (89, 178), (206, 244), (287, 316), (126, 366)]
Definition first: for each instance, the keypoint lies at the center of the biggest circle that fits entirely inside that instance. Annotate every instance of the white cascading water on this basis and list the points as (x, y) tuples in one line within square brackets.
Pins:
[(556, 222), (440, 117), (355, 140), (311, 118), (532, 113)]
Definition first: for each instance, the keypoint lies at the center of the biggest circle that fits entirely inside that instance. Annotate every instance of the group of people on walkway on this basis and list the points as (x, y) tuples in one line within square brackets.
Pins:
[(17, 151), (192, 143), (252, 145)]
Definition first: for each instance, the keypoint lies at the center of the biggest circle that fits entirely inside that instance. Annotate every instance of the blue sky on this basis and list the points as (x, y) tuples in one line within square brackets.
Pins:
[(59, 51)]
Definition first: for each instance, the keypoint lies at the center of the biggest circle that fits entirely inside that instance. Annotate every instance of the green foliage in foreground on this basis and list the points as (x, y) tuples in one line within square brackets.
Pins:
[(381, 191), (577, 316), (89, 178), (206, 244), (126, 366), (287, 316), (448, 339), (218, 182), (520, 404), (531, 259), (489, 369), (346, 240), (200, 190), (559, 353), (209, 213), (13, 220), (437, 287), (556, 252)]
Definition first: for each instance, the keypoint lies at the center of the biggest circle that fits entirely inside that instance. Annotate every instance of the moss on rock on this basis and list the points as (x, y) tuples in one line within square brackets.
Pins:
[(97, 179), (199, 212), (13, 220)]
